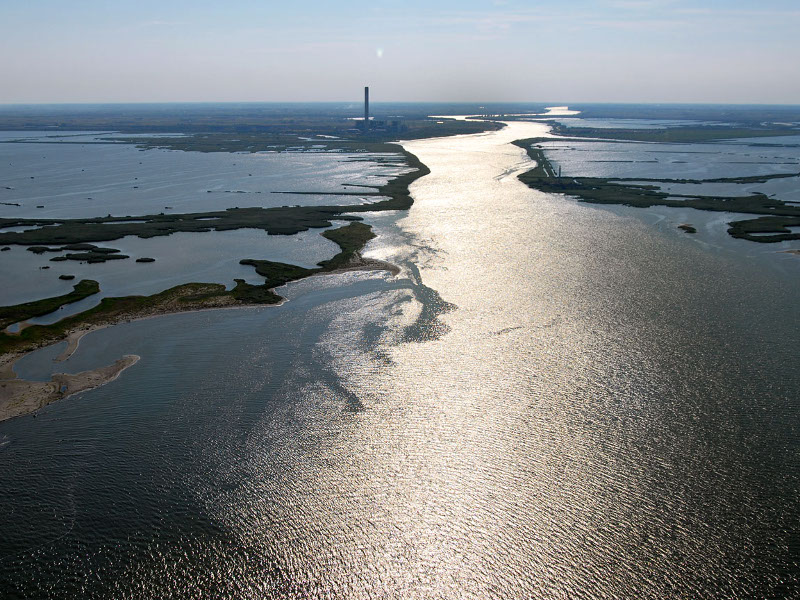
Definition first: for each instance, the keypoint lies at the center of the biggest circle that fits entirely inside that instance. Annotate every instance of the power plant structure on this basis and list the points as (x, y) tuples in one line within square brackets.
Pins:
[(366, 108), (378, 126)]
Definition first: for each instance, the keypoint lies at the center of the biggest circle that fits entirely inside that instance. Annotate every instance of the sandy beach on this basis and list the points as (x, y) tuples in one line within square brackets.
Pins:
[(20, 397)]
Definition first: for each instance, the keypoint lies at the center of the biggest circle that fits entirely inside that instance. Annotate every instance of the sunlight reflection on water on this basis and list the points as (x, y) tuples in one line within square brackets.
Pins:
[(550, 400)]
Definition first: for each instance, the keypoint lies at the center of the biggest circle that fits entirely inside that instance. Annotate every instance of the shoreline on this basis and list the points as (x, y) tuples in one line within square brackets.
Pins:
[(74, 338), (23, 397), (20, 397), (769, 215)]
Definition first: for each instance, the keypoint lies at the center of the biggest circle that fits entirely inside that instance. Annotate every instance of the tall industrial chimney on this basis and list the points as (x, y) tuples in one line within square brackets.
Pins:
[(366, 107)]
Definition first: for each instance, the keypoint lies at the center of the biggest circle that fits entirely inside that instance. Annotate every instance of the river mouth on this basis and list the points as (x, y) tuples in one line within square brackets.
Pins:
[(551, 399)]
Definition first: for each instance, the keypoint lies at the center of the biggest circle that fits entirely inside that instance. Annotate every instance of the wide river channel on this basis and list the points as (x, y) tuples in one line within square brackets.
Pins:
[(552, 400)]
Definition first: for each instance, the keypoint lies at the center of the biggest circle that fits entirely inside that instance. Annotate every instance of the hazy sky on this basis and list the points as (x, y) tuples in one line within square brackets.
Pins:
[(472, 50)]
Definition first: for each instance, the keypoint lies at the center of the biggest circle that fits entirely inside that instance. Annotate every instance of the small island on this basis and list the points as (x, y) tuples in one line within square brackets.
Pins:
[(21, 397)]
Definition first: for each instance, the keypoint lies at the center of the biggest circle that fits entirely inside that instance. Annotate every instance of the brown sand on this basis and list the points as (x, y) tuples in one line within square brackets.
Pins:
[(19, 397)]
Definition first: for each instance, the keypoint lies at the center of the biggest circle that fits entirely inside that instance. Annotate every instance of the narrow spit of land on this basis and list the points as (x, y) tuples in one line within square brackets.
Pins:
[(21, 397), (28, 310), (284, 220)]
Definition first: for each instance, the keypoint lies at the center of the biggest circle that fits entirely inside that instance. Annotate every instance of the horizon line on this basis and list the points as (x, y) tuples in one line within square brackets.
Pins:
[(354, 101)]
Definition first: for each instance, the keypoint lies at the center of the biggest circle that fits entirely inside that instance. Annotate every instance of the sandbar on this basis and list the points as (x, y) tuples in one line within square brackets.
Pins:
[(20, 397)]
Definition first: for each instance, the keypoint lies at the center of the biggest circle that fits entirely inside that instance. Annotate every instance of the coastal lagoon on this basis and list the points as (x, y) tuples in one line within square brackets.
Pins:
[(209, 257), (552, 399), (729, 158), (50, 178)]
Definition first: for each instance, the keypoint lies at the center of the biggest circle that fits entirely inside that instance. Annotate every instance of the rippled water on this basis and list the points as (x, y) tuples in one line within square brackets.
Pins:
[(552, 400)]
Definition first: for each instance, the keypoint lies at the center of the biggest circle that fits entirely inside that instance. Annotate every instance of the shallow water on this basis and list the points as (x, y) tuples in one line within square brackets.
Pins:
[(71, 180), (631, 123), (69, 177), (735, 158), (731, 158), (551, 400), (209, 257)]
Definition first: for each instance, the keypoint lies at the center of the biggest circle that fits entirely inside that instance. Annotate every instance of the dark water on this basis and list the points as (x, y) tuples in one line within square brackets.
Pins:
[(552, 400)]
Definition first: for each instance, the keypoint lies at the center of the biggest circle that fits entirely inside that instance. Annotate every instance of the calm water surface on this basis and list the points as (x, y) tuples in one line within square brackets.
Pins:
[(551, 400), (65, 178)]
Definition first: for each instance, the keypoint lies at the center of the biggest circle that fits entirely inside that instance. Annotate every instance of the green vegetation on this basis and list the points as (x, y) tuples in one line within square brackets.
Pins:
[(350, 238), (258, 142), (744, 179), (754, 229), (89, 253), (28, 310), (276, 273), (281, 220), (285, 220), (254, 294), (599, 190), (111, 310), (90, 257)]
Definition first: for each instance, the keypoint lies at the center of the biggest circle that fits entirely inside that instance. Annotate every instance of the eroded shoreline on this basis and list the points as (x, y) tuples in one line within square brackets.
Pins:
[(22, 397), (19, 397)]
